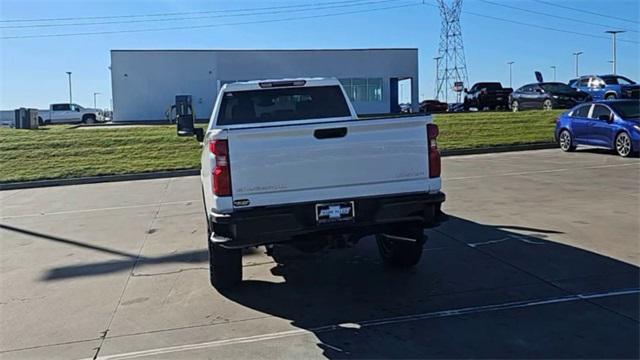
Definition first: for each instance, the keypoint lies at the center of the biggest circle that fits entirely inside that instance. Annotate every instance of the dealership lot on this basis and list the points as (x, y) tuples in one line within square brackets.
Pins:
[(540, 259)]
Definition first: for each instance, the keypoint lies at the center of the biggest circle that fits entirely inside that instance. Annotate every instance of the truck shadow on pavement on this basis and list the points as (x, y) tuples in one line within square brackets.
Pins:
[(479, 291), (126, 261)]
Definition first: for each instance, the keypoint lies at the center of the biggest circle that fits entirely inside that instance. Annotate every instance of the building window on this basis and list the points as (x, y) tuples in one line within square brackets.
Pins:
[(363, 89)]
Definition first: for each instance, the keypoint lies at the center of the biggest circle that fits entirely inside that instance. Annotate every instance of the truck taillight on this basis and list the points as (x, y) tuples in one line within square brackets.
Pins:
[(221, 174), (434, 153)]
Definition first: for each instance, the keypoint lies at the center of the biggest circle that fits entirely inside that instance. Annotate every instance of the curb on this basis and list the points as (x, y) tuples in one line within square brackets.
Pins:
[(192, 172), (98, 179), (499, 149)]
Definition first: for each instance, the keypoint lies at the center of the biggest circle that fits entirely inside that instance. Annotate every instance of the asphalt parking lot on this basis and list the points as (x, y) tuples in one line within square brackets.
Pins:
[(539, 260)]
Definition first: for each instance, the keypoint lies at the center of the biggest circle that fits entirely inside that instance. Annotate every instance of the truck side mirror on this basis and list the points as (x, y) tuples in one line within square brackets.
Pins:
[(185, 126), (199, 132)]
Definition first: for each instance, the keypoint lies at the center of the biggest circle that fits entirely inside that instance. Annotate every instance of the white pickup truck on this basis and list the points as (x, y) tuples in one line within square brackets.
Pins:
[(69, 113), (289, 161)]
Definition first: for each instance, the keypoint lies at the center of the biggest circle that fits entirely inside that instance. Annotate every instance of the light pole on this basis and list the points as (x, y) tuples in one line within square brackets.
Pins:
[(94, 99), (576, 54), (70, 97), (437, 59), (510, 73), (614, 33), (554, 72)]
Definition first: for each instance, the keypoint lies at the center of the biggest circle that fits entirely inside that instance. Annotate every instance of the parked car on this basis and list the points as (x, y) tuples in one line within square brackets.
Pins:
[(489, 95), (613, 124), (289, 162), (455, 107), (69, 113), (405, 108), (546, 96), (607, 87), (433, 106)]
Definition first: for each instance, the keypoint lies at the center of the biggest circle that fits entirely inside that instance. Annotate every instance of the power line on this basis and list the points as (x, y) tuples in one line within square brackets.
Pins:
[(178, 13), (351, 4), (211, 25), (545, 27), (536, 25), (587, 11), (554, 16)]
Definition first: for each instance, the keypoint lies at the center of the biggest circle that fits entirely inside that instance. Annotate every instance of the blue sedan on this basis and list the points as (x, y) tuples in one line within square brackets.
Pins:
[(613, 124)]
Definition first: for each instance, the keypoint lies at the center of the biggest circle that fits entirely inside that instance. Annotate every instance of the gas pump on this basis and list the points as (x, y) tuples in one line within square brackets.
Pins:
[(185, 117)]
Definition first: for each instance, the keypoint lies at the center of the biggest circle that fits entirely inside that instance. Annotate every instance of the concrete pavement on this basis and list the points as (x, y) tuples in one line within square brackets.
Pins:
[(540, 259)]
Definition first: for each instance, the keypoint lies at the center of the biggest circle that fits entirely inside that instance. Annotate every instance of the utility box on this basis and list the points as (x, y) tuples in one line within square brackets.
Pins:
[(26, 118)]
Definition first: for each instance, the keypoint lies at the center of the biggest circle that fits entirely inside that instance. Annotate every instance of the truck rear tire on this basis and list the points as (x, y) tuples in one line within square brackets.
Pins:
[(401, 253), (225, 266)]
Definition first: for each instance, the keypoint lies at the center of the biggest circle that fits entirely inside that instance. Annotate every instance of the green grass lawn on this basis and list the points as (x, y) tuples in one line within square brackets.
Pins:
[(67, 152), (483, 129)]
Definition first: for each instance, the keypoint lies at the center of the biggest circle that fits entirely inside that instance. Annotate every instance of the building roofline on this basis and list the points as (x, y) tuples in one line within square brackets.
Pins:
[(253, 50)]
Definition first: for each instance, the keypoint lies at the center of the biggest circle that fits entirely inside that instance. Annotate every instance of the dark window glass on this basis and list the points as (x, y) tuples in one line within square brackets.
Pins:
[(627, 109), (489, 86), (286, 104), (60, 107), (584, 81), (600, 110), (556, 88), (617, 80), (582, 111)]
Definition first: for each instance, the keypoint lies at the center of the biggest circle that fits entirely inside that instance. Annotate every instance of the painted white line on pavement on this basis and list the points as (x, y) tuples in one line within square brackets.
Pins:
[(100, 209), (368, 323), (539, 172), (510, 237)]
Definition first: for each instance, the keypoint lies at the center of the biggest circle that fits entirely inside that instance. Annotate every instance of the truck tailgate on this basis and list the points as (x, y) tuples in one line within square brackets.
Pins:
[(322, 161)]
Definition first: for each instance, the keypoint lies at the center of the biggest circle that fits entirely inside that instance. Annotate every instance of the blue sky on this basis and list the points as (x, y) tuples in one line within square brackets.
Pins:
[(32, 71)]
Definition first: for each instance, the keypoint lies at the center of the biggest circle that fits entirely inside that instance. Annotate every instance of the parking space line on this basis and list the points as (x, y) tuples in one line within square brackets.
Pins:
[(100, 209), (540, 171), (510, 237), (372, 323)]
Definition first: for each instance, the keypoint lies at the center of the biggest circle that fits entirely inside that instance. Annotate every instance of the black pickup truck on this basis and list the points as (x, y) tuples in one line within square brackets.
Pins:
[(489, 95)]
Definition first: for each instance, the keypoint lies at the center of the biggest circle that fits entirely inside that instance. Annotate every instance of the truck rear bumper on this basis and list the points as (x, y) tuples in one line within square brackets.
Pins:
[(277, 224)]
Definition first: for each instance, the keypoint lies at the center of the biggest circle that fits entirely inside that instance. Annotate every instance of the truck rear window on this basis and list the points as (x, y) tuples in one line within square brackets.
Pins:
[(285, 104)]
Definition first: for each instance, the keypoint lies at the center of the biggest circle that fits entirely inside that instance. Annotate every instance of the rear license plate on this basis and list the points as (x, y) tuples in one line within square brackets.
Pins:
[(335, 212)]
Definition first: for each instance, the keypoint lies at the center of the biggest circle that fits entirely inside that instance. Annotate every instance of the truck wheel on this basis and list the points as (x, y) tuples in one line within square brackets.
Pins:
[(225, 266), (401, 253), (89, 119)]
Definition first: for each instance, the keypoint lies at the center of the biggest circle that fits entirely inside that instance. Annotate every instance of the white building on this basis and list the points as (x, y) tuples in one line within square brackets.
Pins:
[(145, 82)]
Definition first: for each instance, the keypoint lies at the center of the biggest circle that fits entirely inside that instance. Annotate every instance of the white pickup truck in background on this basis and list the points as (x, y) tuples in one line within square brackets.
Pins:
[(289, 161), (69, 113)]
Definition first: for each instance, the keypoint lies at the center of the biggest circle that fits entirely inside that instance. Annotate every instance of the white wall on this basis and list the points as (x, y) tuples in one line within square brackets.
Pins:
[(145, 82)]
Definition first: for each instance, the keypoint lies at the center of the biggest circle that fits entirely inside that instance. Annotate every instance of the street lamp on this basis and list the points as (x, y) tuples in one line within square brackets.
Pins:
[(554, 72), (614, 33), (70, 97), (576, 54), (94, 99), (510, 73)]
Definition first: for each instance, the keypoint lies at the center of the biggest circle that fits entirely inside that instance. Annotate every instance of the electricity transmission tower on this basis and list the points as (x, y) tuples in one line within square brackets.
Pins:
[(452, 69)]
